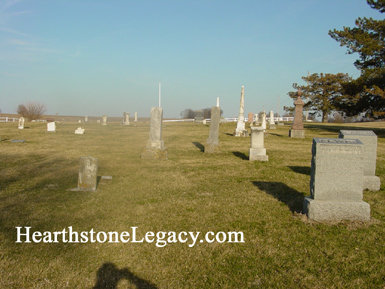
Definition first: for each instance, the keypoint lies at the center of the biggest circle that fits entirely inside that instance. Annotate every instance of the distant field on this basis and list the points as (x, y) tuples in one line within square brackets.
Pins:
[(191, 191)]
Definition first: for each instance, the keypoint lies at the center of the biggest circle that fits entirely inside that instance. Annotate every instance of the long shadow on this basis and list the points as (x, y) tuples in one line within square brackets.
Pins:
[(292, 198), (301, 170), (241, 155), (230, 134), (108, 277), (280, 135), (199, 146), (380, 132)]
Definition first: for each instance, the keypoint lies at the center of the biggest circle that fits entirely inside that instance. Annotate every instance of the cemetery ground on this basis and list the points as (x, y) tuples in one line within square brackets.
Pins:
[(191, 191)]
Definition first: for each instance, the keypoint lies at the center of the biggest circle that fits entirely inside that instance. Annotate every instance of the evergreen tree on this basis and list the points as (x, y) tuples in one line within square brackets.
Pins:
[(367, 93)]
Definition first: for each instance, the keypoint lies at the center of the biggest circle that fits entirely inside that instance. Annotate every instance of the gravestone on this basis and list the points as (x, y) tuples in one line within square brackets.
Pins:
[(136, 117), (297, 130), (240, 130), (155, 148), (212, 143), (21, 123), (126, 118), (336, 181), (104, 120), (271, 121), (256, 119), (51, 126), (88, 168), (79, 130), (86, 119), (79, 121), (369, 139), (199, 116), (250, 117), (263, 125), (257, 151)]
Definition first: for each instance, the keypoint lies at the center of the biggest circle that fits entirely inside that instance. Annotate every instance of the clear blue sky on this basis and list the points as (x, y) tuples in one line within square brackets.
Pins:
[(93, 57)]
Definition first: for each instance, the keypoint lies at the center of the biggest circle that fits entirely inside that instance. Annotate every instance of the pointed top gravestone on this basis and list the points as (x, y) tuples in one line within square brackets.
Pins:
[(240, 130)]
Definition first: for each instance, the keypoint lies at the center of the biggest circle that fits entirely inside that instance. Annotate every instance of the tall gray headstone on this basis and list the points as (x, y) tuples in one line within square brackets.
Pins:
[(104, 120), (126, 118), (155, 148), (297, 130), (336, 181), (86, 119), (369, 139), (88, 169), (257, 151), (212, 144), (263, 125)]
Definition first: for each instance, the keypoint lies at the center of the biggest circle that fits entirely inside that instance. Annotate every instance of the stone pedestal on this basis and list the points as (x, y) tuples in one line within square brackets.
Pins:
[(336, 181), (369, 139), (297, 133), (88, 169), (257, 151), (155, 146), (212, 144)]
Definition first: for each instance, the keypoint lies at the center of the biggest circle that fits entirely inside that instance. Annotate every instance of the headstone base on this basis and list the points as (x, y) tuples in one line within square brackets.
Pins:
[(242, 133), (211, 148), (272, 126), (297, 133), (258, 155), (126, 123), (154, 153), (372, 183), (323, 211)]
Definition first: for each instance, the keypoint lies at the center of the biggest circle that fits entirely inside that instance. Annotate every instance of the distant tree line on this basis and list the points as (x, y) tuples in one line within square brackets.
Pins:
[(189, 113), (339, 93), (31, 110)]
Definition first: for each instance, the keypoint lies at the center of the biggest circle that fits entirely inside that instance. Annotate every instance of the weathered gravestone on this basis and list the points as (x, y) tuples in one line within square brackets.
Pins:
[(240, 130), (257, 151), (21, 123), (126, 118), (256, 119), (51, 126), (212, 144), (271, 121), (88, 169), (250, 117), (369, 139), (86, 119), (297, 130), (263, 125), (336, 181), (136, 117), (104, 120), (155, 148), (79, 130), (199, 116)]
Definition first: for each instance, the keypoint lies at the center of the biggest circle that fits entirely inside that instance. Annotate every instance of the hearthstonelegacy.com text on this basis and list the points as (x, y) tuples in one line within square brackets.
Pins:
[(161, 238)]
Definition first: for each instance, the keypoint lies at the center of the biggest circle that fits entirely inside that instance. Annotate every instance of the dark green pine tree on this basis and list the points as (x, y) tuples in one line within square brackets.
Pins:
[(366, 94)]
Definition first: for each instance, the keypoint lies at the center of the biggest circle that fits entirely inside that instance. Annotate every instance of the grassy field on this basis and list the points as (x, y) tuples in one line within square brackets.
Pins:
[(191, 191)]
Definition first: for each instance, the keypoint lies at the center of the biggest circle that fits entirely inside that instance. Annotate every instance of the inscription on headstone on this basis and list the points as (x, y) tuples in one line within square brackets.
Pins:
[(88, 168)]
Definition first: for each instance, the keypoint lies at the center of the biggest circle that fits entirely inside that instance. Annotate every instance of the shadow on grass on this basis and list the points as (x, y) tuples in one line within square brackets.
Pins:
[(241, 155), (292, 198), (301, 170), (108, 277), (280, 135), (199, 146), (380, 132), (230, 134)]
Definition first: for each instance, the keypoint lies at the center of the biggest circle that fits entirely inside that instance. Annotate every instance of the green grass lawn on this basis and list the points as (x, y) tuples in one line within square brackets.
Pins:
[(191, 191)]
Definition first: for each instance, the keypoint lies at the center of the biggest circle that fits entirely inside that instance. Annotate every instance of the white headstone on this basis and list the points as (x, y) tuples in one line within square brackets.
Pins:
[(79, 130), (21, 123), (51, 126)]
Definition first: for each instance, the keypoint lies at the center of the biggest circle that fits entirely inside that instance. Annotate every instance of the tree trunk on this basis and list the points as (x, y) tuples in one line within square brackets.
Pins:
[(324, 116)]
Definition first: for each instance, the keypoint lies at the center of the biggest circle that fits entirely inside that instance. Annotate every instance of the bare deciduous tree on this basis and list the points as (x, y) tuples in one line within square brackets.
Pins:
[(31, 110)]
